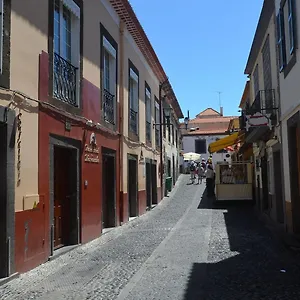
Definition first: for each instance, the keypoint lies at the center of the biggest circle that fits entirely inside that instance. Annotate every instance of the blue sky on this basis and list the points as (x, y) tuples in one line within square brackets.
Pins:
[(203, 47)]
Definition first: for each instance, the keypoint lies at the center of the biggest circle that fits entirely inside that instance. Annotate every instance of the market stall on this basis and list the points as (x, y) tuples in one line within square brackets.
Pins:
[(233, 181)]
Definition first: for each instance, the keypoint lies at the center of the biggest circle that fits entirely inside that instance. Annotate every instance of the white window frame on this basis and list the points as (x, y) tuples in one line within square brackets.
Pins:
[(110, 53), (75, 37), (291, 25), (280, 42), (148, 105), (134, 94)]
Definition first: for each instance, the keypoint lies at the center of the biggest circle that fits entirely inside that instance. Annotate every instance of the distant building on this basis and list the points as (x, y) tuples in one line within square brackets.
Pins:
[(207, 127)]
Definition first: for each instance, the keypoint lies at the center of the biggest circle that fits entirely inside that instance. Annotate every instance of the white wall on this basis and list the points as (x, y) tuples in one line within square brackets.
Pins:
[(188, 143)]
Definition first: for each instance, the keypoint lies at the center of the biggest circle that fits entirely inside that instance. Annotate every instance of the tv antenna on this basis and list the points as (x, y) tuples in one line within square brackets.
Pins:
[(219, 92)]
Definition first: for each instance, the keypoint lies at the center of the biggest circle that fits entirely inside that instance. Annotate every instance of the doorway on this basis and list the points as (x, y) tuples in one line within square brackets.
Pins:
[(169, 167), (3, 200), (294, 164), (64, 198), (64, 192), (108, 188), (8, 124), (174, 170), (278, 186), (154, 182), (148, 185), (132, 182), (265, 182)]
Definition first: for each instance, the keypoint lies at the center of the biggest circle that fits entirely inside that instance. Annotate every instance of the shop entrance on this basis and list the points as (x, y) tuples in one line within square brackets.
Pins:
[(132, 180), (3, 200), (64, 204), (109, 188)]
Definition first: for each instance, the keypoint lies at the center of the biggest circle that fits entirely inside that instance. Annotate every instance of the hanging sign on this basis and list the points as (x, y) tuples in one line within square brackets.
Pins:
[(91, 150), (258, 120)]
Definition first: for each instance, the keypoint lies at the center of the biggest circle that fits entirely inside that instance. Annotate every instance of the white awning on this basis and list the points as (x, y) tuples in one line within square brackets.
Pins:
[(73, 7)]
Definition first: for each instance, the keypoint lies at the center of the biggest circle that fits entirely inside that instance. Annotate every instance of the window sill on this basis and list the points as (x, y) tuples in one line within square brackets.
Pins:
[(133, 136), (65, 106), (109, 125), (287, 69)]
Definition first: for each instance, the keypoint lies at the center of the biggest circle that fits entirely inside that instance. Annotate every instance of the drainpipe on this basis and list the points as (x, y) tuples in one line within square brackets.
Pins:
[(121, 116), (161, 141), (161, 136)]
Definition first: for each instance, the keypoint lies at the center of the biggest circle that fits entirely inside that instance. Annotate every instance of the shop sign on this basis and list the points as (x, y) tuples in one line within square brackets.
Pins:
[(91, 150), (258, 120)]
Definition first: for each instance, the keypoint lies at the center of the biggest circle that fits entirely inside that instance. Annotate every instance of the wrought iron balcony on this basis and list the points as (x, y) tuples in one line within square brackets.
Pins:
[(108, 107), (133, 121), (264, 103), (157, 137), (64, 80), (148, 131)]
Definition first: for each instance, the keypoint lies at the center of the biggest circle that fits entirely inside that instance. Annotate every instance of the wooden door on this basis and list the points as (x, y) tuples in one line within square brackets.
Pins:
[(61, 186)]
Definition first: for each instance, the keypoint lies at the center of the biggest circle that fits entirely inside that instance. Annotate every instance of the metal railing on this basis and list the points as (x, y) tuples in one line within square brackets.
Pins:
[(148, 131), (133, 118), (64, 80), (264, 103), (108, 107)]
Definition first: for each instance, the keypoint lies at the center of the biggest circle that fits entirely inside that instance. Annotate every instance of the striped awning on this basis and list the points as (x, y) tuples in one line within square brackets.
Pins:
[(227, 141)]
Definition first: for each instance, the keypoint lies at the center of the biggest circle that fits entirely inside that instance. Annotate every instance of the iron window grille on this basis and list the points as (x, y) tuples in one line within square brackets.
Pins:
[(65, 86)]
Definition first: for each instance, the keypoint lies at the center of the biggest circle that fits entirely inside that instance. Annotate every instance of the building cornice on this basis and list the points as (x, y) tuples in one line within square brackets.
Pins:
[(262, 26), (134, 27)]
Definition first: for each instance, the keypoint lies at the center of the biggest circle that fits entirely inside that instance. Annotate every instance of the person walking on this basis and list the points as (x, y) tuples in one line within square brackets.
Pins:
[(210, 175)]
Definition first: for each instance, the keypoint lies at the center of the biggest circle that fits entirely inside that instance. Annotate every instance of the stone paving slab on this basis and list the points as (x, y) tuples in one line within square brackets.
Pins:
[(187, 248), (100, 269)]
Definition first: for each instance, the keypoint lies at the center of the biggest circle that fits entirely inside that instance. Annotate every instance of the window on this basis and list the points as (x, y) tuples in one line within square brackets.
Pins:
[(169, 128), (109, 57), (148, 112), (133, 100), (157, 121), (176, 137), (286, 33), (267, 65), (256, 81), (66, 54), (200, 146), (164, 126)]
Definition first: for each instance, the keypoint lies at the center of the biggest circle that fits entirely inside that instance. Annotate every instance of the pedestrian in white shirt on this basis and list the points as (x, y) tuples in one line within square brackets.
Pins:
[(210, 176)]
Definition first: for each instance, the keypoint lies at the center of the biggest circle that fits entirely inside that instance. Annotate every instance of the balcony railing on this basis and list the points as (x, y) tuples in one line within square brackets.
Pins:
[(64, 83), (264, 103), (148, 131), (157, 137), (108, 107), (133, 121)]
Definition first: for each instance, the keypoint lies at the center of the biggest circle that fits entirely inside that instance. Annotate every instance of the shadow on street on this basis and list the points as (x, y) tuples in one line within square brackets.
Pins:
[(247, 263)]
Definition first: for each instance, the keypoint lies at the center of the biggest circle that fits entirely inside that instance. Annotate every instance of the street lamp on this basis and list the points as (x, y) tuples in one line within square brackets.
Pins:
[(167, 114), (186, 122)]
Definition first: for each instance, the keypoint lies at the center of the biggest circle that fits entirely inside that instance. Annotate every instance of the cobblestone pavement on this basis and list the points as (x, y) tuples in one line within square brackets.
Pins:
[(180, 250)]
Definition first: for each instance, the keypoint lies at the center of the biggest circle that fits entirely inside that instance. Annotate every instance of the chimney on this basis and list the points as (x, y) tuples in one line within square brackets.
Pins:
[(221, 111)]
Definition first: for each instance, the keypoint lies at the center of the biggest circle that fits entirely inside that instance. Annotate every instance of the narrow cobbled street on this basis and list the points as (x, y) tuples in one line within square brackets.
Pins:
[(183, 249)]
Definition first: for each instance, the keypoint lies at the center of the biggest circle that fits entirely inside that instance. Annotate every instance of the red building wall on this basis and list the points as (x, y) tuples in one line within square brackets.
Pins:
[(33, 248)]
